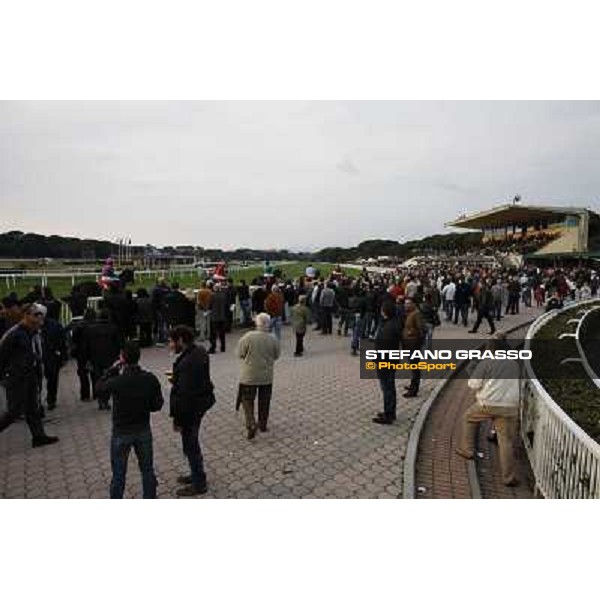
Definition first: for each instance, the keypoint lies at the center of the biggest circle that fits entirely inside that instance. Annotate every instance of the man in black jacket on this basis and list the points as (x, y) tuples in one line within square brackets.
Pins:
[(54, 349), (258, 299), (175, 306), (218, 318), (462, 297), (388, 338), (115, 303), (103, 343), (485, 308), (21, 372), (79, 351), (135, 393), (191, 396)]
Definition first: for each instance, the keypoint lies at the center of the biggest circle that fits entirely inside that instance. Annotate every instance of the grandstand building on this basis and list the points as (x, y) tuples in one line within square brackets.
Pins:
[(537, 231)]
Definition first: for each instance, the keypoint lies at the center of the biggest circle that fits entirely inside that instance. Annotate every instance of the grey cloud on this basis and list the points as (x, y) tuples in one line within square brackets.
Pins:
[(449, 186), (347, 166), (260, 173)]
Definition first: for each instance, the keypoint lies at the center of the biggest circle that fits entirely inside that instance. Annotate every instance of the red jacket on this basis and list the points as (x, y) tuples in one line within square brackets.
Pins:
[(274, 304)]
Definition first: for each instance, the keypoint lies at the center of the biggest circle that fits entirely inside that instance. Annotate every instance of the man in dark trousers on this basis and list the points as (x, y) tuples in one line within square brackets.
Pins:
[(413, 338), (21, 371), (54, 351), (191, 396), (116, 304), (462, 296), (258, 299), (388, 338), (327, 302), (218, 318), (135, 393), (514, 295), (79, 351), (485, 308), (158, 307), (103, 344), (175, 305)]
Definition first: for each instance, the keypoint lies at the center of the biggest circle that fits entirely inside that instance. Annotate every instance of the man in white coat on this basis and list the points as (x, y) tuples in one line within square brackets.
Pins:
[(496, 386)]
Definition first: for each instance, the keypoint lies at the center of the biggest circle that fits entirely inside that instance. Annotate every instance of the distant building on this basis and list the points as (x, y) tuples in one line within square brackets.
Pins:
[(154, 259), (543, 230)]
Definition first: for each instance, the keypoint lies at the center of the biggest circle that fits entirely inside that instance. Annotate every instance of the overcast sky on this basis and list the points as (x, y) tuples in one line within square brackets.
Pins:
[(299, 175)]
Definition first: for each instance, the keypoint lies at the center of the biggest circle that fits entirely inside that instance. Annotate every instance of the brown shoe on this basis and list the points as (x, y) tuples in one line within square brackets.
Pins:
[(252, 432), (465, 454)]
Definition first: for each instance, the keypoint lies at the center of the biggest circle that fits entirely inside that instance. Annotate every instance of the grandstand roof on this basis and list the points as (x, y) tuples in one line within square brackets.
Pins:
[(513, 213)]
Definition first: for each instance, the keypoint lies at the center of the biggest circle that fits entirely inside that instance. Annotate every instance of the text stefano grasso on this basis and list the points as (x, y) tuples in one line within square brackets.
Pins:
[(448, 354)]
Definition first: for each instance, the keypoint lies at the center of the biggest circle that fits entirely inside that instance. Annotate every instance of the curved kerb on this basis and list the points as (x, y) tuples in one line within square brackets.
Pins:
[(414, 438)]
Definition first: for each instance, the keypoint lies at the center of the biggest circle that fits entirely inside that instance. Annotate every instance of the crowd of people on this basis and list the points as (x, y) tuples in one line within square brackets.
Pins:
[(397, 308)]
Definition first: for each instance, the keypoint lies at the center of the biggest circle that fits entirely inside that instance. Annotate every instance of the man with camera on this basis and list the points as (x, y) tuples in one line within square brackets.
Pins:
[(136, 393)]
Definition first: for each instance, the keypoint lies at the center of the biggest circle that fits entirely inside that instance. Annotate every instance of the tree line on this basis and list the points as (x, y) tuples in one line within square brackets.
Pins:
[(16, 244), (431, 245)]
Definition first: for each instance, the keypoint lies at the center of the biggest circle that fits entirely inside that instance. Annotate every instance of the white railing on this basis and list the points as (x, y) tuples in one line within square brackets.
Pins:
[(11, 280), (565, 460), (43, 277)]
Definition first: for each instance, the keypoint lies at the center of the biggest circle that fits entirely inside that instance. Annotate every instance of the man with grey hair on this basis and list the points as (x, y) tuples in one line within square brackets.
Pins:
[(327, 302), (496, 386), (21, 370), (258, 351)]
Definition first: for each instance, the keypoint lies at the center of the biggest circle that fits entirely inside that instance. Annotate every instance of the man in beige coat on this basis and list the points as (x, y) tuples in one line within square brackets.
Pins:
[(258, 350), (496, 385)]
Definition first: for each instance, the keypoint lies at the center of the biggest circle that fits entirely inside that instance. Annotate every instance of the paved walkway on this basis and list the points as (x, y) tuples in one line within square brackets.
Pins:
[(440, 472), (321, 441)]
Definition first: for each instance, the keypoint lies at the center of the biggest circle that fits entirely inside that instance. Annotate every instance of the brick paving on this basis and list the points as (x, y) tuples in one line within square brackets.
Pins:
[(488, 470), (440, 472), (321, 442)]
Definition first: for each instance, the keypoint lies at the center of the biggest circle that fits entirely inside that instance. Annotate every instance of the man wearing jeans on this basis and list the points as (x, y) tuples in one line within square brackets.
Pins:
[(136, 393), (191, 396), (274, 304), (388, 338), (243, 293), (356, 307), (203, 302)]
